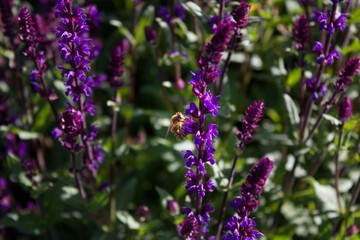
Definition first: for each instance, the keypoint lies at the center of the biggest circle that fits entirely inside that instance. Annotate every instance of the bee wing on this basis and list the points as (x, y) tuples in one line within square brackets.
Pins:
[(167, 131)]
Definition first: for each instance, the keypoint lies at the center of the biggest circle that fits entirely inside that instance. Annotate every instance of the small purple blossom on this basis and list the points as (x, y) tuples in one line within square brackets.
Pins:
[(345, 110), (71, 122), (322, 58), (172, 206), (142, 213), (241, 226), (179, 11), (311, 87), (253, 115), (190, 227)]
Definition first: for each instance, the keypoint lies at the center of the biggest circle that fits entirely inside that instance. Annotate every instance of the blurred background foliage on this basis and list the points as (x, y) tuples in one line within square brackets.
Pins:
[(150, 167)]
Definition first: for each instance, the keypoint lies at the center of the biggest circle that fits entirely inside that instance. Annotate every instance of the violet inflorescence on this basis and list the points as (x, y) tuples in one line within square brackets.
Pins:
[(74, 46), (240, 226), (248, 125), (195, 222)]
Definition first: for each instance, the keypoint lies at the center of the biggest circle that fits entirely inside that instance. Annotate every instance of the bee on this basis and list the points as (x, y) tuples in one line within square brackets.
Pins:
[(177, 125)]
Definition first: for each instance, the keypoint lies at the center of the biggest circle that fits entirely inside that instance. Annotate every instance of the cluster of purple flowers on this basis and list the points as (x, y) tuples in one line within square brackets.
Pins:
[(75, 49), (178, 12), (116, 68), (248, 125), (240, 227), (322, 57), (346, 74), (328, 23), (204, 134), (315, 91)]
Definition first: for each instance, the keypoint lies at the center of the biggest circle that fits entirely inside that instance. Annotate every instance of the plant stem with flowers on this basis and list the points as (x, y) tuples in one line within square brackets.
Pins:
[(249, 124), (240, 226), (115, 71), (194, 225), (74, 47)]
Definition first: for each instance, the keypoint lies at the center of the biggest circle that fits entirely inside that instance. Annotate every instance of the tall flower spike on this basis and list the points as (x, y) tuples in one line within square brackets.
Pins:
[(351, 69), (196, 221), (6, 18), (241, 226), (115, 69), (345, 110), (301, 32), (29, 34), (253, 115)]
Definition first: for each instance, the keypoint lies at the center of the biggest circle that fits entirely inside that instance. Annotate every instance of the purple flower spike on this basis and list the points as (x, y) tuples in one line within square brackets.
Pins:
[(29, 34), (6, 18), (241, 14), (241, 226), (116, 69), (253, 115), (210, 58), (150, 35), (195, 222), (345, 110), (351, 68), (301, 33)]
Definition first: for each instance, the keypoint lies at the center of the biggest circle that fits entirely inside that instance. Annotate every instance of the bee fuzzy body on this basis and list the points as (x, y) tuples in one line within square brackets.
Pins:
[(177, 125)]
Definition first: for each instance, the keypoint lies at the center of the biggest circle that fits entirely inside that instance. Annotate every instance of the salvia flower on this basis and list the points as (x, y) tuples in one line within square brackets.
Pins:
[(241, 15), (204, 134), (327, 59), (142, 212), (327, 23), (150, 35), (346, 74), (189, 228), (315, 91), (116, 69), (6, 18), (75, 49), (345, 110), (352, 230), (240, 226), (172, 206), (248, 125), (301, 32), (28, 32)]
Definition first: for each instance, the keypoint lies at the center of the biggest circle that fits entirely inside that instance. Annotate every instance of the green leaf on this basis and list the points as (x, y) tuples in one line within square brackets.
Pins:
[(26, 135), (333, 120), (327, 195), (292, 110), (195, 10), (293, 77), (128, 220)]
